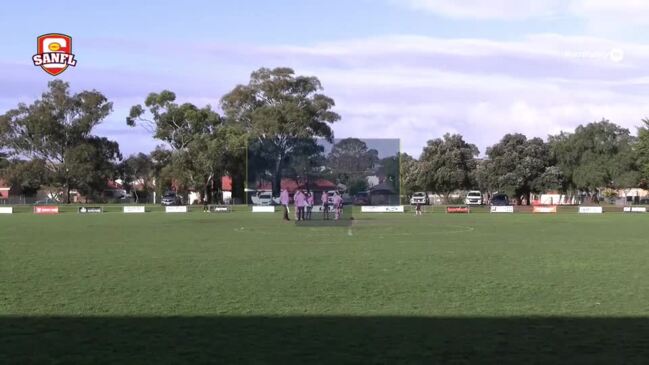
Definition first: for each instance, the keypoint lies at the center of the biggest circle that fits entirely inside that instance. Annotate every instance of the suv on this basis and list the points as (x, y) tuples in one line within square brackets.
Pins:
[(419, 197), (500, 200), (171, 198), (473, 197)]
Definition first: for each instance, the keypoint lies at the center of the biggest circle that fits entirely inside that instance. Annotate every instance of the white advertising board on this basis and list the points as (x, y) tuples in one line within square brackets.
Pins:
[(6, 210), (176, 209), (382, 209), (502, 209), (134, 209), (635, 210), (263, 209), (591, 210)]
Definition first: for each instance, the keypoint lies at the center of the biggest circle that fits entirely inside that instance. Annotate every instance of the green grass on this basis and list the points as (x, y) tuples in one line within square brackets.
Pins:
[(239, 288)]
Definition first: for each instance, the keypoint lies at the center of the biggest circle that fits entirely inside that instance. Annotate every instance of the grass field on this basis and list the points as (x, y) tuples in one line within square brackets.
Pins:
[(394, 288)]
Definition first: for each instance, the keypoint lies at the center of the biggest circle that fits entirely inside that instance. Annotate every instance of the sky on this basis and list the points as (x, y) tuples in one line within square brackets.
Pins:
[(408, 69)]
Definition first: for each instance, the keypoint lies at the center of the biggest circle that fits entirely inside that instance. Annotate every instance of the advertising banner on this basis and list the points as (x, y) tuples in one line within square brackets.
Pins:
[(591, 210), (46, 209), (458, 210), (90, 210), (6, 210), (263, 209), (176, 209), (635, 210), (502, 209), (545, 209), (220, 209), (382, 209), (134, 209)]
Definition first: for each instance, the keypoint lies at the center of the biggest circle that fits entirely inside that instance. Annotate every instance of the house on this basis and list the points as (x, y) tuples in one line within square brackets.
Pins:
[(384, 194), (292, 185)]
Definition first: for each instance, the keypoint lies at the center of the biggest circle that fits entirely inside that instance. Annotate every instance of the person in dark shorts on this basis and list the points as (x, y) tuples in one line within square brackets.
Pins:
[(325, 205)]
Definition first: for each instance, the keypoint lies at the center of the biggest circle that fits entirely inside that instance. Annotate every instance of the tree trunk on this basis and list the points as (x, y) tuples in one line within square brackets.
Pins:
[(277, 178)]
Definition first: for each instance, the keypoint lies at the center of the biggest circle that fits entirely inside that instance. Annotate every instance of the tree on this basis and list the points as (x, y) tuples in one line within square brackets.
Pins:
[(201, 142), (643, 152), (278, 110), (27, 176), (447, 164), (597, 155), (516, 165), (410, 171), (350, 161), (138, 169), (57, 128)]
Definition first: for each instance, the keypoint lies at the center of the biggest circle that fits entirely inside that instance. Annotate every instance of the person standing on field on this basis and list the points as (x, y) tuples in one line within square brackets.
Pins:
[(284, 200), (337, 205), (309, 206), (325, 205), (300, 203)]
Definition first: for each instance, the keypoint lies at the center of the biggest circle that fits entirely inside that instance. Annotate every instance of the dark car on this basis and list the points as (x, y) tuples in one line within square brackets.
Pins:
[(500, 200), (171, 198), (362, 198), (47, 201)]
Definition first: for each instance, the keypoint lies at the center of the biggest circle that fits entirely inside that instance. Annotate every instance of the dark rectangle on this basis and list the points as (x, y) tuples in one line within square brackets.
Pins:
[(90, 210), (219, 209)]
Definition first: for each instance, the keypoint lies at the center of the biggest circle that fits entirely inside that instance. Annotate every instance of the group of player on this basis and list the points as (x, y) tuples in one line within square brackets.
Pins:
[(304, 202)]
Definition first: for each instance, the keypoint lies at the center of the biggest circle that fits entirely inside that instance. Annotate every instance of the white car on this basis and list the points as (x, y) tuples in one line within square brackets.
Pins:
[(473, 197), (264, 198), (419, 197)]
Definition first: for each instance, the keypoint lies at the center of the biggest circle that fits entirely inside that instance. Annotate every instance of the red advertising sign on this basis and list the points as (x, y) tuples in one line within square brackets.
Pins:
[(46, 209), (458, 210), (545, 209)]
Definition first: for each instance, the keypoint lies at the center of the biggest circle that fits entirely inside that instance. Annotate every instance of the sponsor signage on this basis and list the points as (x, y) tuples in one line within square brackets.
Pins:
[(502, 209), (6, 210), (382, 209), (176, 209), (134, 209), (46, 209), (90, 210), (542, 209), (458, 210), (635, 210), (591, 210), (219, 209), (263, 209)]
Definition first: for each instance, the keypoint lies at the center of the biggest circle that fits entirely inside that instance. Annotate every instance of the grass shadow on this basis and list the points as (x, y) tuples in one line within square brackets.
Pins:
[(327, 339)]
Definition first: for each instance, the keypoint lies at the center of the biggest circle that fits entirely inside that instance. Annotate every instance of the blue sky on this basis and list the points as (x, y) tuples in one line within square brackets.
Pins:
[(412, 69)]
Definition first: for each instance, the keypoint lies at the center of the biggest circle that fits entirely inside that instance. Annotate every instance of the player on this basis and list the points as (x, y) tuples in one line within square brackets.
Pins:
[(309, 206), (284, 200), (418, 208), (325, 205), (300, 203), (337, 205)]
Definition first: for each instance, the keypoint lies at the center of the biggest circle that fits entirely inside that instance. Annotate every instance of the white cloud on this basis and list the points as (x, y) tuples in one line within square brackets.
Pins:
[(603, 12), (493, 9)]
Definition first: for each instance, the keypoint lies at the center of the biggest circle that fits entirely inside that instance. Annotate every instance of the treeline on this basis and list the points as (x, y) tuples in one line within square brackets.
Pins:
[(51, 144), (595, 158)]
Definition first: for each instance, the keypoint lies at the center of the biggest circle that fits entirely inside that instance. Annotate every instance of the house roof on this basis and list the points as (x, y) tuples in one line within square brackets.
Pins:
[(383, 187), (292, 185)]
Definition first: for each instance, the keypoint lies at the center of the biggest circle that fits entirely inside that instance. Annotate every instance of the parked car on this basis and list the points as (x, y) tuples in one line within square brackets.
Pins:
[(419, 197), (473, 197), (500, 200), (171, 198), (264, 198), (47, 201), (362, 198)]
